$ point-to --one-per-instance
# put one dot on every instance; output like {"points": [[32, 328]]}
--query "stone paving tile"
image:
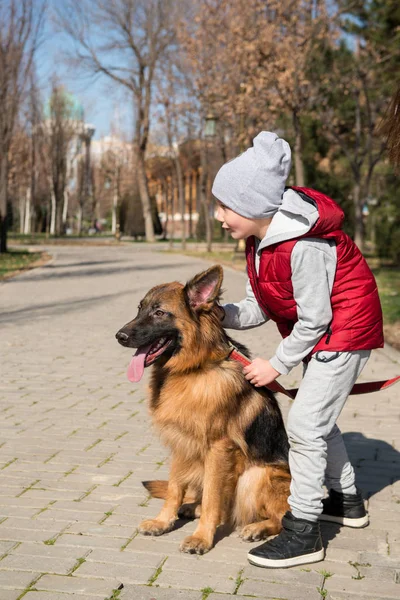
{"points": [[145, 559], [363, 588], [76, 442], [120, 572], [274, 590], [90, 541], [58, 566], [18, 580], [197, 581], [130, 592], [339, 596], [77, 585], [299, 575], [57, 596], [9, 594]]}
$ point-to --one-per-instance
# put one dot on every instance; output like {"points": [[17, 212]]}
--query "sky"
{"points": [[102, 102]]}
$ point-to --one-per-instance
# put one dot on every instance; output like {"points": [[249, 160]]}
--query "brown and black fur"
{"points": [[227, 439]]}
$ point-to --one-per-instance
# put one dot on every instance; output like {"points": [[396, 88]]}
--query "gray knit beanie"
{"points": [[253, 183]]}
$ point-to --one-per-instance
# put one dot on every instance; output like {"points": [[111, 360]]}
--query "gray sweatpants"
{"points": [[317, 450]]}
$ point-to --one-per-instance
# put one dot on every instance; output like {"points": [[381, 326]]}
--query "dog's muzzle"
{"points": [[122, 337]]}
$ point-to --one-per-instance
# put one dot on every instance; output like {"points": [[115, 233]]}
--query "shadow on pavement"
{"points": [[377, 463], [54, 309], [49, 272], [88, 263]]}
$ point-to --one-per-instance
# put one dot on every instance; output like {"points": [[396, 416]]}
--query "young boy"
{"points": [[309, 277]]}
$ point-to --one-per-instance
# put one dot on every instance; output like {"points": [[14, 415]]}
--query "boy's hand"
{"points": [[260, 372]]}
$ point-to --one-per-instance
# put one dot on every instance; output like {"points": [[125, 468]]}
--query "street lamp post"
{"points": [[209, 132], [241, 244]]}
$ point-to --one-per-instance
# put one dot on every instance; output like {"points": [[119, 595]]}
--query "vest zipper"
{"points": [[329, 332]]}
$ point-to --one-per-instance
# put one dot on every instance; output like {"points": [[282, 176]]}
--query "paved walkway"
{"points": [[75, 443]]}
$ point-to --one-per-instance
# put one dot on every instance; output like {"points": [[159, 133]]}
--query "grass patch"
{"points": [[76, 566], [388, 280], [229, 258], [115, 593], [15, 261], [238, 582], [157, 573]]}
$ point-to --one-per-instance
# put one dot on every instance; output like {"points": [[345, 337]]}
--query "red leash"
{"points": [[358, 388]]}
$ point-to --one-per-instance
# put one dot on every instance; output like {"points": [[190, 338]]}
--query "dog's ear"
{"points": [[204, 288]]}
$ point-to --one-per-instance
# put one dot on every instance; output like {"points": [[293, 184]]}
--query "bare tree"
{"points": [[62, 127], [20, 29], [125, 40]]}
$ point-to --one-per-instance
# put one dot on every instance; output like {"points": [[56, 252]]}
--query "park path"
{"points": [[76, 442]]}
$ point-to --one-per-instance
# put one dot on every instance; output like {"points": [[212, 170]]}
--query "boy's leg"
{"points": [[344, 504], [323, 391], [326, 384], [339, 474]]}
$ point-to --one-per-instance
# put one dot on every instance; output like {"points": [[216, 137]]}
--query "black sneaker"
{"points": [[298, 543], [344, 509]]}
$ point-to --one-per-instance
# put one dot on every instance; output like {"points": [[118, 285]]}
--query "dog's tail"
{"points": [[157, 488]]}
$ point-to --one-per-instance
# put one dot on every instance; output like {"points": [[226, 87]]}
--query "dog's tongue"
{"points": [[136, 366]]}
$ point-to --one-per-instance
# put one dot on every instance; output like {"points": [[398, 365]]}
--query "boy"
{"points": [[310, 278]]}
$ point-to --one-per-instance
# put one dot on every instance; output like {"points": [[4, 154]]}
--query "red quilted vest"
{"points": [[356, 309]]}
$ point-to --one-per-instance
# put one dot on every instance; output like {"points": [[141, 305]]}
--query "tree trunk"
{"points": [[181, 196], [21, 213], [79, 220], [164, 188], [65, 209], [144, 195], [3, 202], [27, 220], [114, 209], [59, 213], [359, 233], [298, 152], [53, 213], [191, 177], [172, 230]]}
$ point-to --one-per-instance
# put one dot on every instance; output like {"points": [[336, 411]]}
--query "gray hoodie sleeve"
{"points": [[313, 264], [245, 314]]}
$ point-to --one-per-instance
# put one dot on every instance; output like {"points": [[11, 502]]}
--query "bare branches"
{"points": [[21, 24], [390, 128], [125, 41]]}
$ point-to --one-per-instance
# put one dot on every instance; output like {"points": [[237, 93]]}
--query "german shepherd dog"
{"points": [[227, 438]]}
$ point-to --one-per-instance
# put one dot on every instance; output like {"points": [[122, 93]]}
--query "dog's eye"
{"points": [[159, 313]]}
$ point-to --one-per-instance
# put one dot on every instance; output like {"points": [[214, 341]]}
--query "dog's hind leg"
{"points": [[260, 530], [271, 503]]}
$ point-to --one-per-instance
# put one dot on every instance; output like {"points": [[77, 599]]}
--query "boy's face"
{"points": [[239, 227]]}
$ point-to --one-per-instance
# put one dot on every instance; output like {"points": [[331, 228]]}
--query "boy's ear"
{"points": [[204, 288]]}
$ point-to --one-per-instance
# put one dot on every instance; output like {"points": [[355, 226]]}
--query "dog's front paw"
{"points": [[154, 527], [195, 545]]}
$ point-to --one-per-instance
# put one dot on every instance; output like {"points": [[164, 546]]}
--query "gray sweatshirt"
{"points": [[313, 263]]}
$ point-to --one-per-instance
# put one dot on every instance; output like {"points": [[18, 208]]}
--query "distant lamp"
{"points": [[210, 126], [88, 131]]}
